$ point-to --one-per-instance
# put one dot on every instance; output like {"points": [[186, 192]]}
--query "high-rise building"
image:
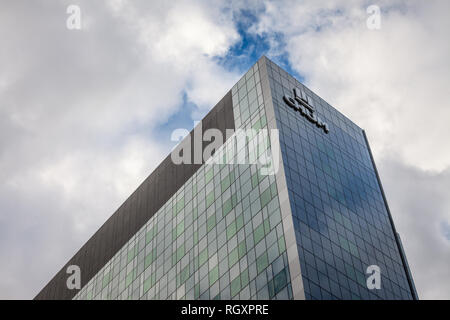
{"points": [[289, 206]]}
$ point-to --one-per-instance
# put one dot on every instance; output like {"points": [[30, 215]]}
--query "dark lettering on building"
{"points": [[301, 104]]}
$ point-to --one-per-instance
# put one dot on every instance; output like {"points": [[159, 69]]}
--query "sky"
{"points": [[86, 114]]}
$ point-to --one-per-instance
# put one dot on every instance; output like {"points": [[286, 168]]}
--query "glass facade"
{"points": [[229, 232], [340, 217], [219, 237]]}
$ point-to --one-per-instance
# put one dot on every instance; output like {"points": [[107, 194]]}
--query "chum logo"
{"points": [[301, 103]]}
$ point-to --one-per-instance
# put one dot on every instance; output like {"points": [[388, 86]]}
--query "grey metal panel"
{"points": [[142, 206], [162, 183]]}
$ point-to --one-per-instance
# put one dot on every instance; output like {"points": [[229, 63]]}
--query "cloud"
{"points": [[420, 205], [79, 112], [397, 76], [394, 83]]}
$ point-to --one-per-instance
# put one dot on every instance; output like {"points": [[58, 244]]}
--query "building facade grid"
{"points": [[219, 237]]}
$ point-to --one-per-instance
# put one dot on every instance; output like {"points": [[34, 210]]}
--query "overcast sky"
{"points": [[86, 115]]}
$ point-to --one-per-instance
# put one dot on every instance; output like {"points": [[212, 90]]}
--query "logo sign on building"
{"points": [[300, 102]]}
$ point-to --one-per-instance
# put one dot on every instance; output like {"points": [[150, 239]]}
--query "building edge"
{"points": [[295, 272], [406, 268]]}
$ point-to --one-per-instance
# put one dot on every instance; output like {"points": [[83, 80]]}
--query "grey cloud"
{"points": [[420, 205], [77, 112]]}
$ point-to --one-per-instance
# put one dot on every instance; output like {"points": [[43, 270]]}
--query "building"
{"points": [[307, 228]]}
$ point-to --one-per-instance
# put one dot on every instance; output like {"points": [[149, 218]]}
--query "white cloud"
{"points": [[78, 111], [392, 82], [186, 35]]}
